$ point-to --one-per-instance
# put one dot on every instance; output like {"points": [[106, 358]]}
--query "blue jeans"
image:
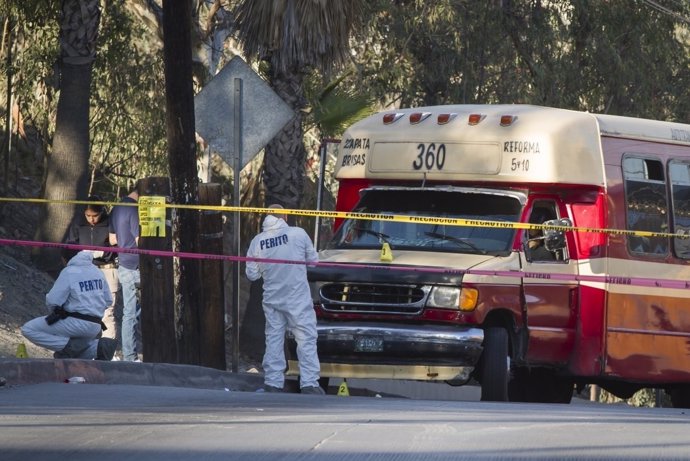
{"points": [[130, 311]]}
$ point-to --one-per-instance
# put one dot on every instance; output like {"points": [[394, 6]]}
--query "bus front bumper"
{"points": [[394, 351]]}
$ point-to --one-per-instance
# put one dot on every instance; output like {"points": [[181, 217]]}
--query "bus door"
{"points": [[550, 303]]}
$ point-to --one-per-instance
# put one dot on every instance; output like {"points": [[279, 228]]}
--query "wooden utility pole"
{"points": [[179, 96], [212, 303], [156, 292]]}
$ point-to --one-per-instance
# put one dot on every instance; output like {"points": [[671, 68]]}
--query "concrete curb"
{"points": [[34, 371]]}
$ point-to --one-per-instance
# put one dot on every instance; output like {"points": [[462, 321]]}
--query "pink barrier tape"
{"points": [[609, 279]]}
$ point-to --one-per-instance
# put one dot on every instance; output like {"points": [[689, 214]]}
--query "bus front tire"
{"points": [[495, 361]]}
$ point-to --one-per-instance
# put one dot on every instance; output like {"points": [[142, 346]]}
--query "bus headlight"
{"points": [[464, 299], [444, 297]]}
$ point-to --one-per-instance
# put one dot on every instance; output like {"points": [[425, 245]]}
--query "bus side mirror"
{"points": [[554, 239]]}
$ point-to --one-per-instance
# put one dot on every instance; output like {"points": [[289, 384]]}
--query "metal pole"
{"points": [[323, 153], [319, 190], [237, 141]]}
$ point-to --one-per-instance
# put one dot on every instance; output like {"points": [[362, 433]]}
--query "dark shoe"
{"points": [[106, 349], [315, 390], [73, 349], [270, 389]]}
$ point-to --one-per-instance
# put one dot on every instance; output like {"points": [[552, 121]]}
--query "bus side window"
{"points": [[679, 176], [646, 204], [534, 246]]}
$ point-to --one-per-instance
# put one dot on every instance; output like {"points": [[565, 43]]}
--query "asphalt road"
{"points": [[55, 421]]}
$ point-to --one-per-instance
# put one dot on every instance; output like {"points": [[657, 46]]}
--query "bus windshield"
{"points": [[430, 236]]}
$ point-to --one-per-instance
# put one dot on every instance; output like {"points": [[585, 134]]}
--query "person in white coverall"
{"points": [[76, 303], [287, 302]]}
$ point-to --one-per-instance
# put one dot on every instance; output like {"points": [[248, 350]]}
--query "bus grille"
{"points": [[373, 298]]}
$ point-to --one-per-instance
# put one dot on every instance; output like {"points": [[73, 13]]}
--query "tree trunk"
{"points": [[182, 156], [67, 165], [285, 155]]}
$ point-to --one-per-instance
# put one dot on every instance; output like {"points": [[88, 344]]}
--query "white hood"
{"points": [[407, 258], [83, 258], [81, 287], [452, 261], [272, 223]]}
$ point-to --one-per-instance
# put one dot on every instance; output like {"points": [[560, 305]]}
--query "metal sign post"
{"points": [[323, 149], [237, 167], [237, 134]]}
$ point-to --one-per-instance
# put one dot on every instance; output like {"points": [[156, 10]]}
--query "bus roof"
{"points": [[492, 143]]}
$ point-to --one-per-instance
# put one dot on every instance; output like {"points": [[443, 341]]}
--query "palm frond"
{"points": [[337, 109], [297, 34]]}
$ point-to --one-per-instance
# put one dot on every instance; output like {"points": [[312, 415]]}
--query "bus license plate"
{"points": [[368, 344]]}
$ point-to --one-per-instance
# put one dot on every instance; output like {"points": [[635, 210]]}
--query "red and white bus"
{"points": [[406, 296]]}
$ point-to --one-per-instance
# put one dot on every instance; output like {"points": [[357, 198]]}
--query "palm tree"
{"points": [[67, 165], [294, 37]]}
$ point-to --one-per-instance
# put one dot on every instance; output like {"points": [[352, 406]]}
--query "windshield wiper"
{"points": [[380, 235], [458, 240]]}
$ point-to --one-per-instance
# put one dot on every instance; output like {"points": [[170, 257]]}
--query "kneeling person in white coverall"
{"points": [[76, 302], [287, 301]]}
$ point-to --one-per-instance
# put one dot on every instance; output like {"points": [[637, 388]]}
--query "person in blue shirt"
{"points": [[124, 232]]}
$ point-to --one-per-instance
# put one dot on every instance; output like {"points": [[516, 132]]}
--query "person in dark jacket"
{"points": [[92, 228]]}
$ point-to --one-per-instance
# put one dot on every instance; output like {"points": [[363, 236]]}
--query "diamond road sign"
{"points": [[264, 113]]}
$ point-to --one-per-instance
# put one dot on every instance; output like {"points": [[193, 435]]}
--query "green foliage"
{"points": [[334, 107], [425, 53], [34, 52], [616, 57], [127, 104], [624, 59], [127, 115], [642, 398]]}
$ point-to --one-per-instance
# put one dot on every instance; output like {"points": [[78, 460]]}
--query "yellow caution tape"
{"points": [[374, 217]]}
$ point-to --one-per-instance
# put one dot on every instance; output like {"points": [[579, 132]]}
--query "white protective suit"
{"points": [[81, 287], [287, 301]]}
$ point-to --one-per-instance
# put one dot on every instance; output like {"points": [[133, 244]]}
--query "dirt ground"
{"points": [[22, 297], [22, 287]]}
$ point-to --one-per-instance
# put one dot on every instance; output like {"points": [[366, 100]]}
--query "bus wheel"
{"points": [[495, 366]]}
